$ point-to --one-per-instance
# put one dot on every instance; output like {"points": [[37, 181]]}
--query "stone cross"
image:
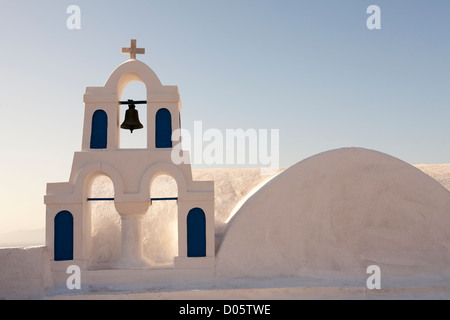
{"points": [[133, 50]]}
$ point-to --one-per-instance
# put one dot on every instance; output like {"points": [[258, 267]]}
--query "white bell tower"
{"points": [[68, 217]]}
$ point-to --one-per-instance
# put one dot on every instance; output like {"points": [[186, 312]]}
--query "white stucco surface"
{"points": [[310, 232], [335, 214], [24, 273]]}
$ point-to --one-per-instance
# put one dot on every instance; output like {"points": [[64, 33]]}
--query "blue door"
{"points": [[163, 134], [63, 236], [99, 130], [196, 233]]}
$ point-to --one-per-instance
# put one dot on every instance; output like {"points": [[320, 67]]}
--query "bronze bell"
{"points": [[131, 121]]}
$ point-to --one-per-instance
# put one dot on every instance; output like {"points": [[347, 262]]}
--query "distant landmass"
{"points": [[23, 238]]}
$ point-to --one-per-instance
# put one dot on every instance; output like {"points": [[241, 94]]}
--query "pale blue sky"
{"points": [[309, 68]]}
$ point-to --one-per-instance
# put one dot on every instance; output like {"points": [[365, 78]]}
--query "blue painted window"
{"points": [[63, 240], [163, 133], [196, 233], [99, 130]]}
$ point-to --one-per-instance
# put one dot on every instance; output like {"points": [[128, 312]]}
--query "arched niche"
{"points": [[196, 233], [63, 236], [163, 129], [99, 130]]}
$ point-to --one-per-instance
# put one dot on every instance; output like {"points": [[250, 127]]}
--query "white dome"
{"points": [[337, 213]]}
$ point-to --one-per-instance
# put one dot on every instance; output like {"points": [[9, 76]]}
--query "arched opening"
{"points": [[99, 130], [105, 223], [63, 236], [160, 225], [196, 233], [163, 129], [136, 91]]}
